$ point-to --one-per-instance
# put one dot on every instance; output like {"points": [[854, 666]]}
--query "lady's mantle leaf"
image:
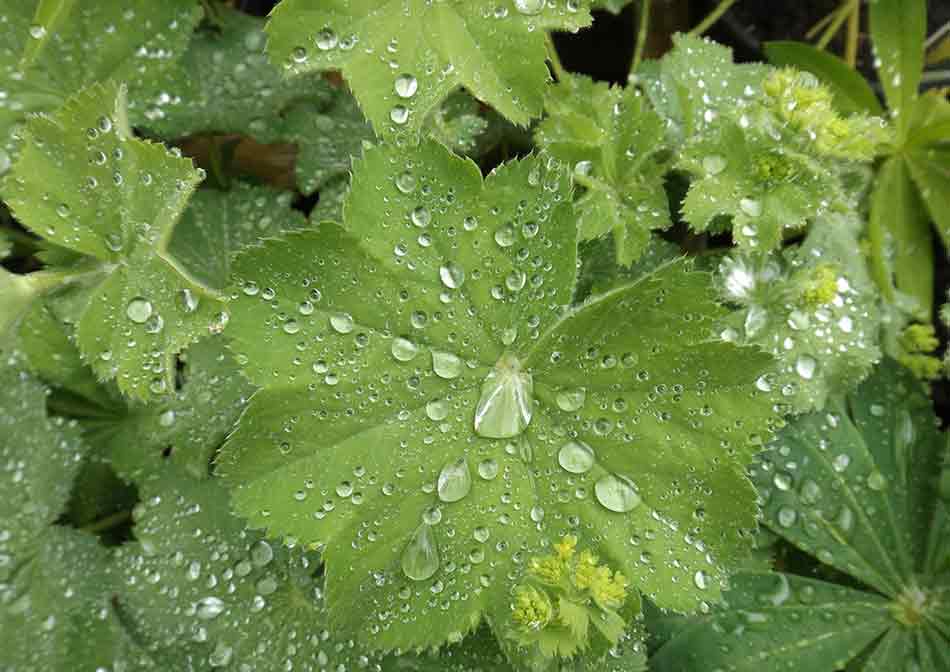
{"points": [[434, 414], [612, 138], [84, 183], [402, 58]]}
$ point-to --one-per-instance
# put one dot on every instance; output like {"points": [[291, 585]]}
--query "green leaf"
{"points": [[772, 621], [375, 343], [861, 496], [457, 124], [696, 82], [908, 247], [431, 49], [898, 28], [69, 45], [930, 170], [83, 182], [223, 83], [614, 140], [205, 592], [815, 309], [851, 91], [218, 224]]}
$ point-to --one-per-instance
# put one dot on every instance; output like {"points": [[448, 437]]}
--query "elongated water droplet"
{"points": [[261, 553], [529, 7], [420, 558], [616, 493], [571, 400], [576, 457], [446, 365], [455, 481], [209, 607], [507, 403]]}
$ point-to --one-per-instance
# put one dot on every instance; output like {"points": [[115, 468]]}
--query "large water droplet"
{"points": [[576, 457], [616, 493], [805, 366], [404, 350], [209, 607], [571, 400], [529, 7], [446, 365], [420, 558], [406, 86], [261, 553], [452, 275], [341, 322], [437, 409], [455, 481], [488, 469], [506, 404], [139, 310]]}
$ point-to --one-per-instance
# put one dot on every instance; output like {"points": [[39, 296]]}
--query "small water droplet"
{"points": [[404, 350], [261, 553], [529, 7], [805, 366], [452, 275], [139, 310], [446, 365], [576, 457], [750, 207], [571, 400], [209, 607], [342, 323], [406, 86], [488, 469]]}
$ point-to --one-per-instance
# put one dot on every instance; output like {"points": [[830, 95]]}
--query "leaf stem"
{"points": [[559, 72], [642, 30], [712, 17], [840, 15], [851, 42], [108, 522]]}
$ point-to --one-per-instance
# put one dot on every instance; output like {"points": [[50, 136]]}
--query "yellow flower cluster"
{"points": [[532, 608], [798, 99], [583, 573], [917, 341], [821, 287]]}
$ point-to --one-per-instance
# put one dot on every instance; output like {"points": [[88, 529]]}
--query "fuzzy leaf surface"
{"points": [[494, 50], [372, 342], [84, 183]]}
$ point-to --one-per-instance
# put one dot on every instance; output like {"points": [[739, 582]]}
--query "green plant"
{"points": [[471, 382]]}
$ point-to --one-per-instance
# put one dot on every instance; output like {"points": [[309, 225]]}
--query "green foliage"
{"points": [[856, 487], [480, 380]]}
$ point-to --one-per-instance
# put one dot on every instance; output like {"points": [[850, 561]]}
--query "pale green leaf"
{"points": [[375, 345], [83, 182], [851, 91], [898, 28], [70, 45], [930, 169], [430, 49], [216, 225], [457, 124], [202, 590], [770, 621], [615, 143]]}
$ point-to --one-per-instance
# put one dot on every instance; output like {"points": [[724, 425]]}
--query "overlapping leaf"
{"points": [[615, 141], [372, 343], [856, 487], [402, 58], [53, 49], [84, 183]]}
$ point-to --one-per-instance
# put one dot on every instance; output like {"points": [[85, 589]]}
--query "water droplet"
{"points": [[452, 275], [399, 114], [750, 207], [261, 553], [786, 516], [571, 400], [326, 40], [139, 310], [782, 480], [699, 579], [154, 324], [488, 469], [714, 164], [805, 366], [576, 457], [537, 514], [841, 462], [506, 403], [406, 182], [404, 350], [37, 32], [529, 7], [342, 322], [189, 302], [446, 365], [616, 493], [877, 481], [406, 86], [221, 655], [420, 558], [437, 409], [505, 235], [455, 481], [209, 607]]}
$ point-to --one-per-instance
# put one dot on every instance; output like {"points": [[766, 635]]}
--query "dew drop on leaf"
{"points": [[805, 366], [616, 493], [571, 400], [406, 86], [488, 469], [404, 350], [420, 558], [506, 403], [576, 457], [455, 481], [261, 553], [750, 207], [437, 409], [209, 607], [452, 275], [342, 323], [529, 7], [139, 310], [446, 365]]}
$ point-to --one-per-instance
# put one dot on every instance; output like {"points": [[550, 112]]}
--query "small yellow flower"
{"points": [[549, 569], [532, 608], [565, 548], [822, 287], [608, 590]]}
